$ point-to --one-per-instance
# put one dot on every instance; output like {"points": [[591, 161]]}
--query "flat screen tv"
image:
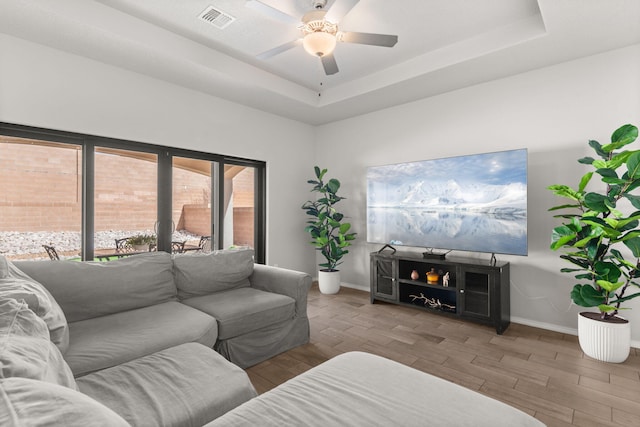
{"points": [[474, 203]]}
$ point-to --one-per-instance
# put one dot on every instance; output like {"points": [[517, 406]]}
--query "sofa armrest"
{"points": [[294, 284]]}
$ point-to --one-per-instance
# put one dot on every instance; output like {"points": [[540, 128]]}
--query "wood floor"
{"points": [[542, 373]]}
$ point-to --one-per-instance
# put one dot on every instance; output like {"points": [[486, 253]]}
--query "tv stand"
{"points": [[430, 254], [470, 289], [387, 246]]}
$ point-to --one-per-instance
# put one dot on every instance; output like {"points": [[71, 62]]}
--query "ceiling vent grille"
{"points": [[216, 17]]}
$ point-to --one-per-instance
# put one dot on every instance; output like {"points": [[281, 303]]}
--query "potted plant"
{"points": [[603, 244], [329, 234], [141, 242]]}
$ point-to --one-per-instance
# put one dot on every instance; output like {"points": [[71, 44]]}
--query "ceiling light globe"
{"points": [[319, 43]]}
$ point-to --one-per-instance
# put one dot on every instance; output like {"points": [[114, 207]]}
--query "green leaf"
{"points": [[634, 245], [586, 296], [333, 186], [607, 172], [608, 286], [586, 160], [344, 228], [596, 202], [619, 159], [565, 191], [633, 165], [635, 200], [625, 134], [598, 149], [556, 208], [604, 308], [632, 186], [600, 164], [584, 181]]}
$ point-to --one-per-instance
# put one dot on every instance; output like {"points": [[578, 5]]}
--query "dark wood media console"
{"points": [[477, 290]]}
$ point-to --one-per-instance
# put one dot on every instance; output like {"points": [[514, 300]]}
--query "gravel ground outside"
{"points": [[28, 245]]}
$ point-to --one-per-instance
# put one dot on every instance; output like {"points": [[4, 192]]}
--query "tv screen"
{"points": [[474, 203]]}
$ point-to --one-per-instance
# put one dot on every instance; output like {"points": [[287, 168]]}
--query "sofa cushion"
{"points": [[4, 267], [186, 385], [25, 348], [86, 290], [110, 340], [243, 310], [18, 285], [27, 402], [201, 274], [361, 389]]}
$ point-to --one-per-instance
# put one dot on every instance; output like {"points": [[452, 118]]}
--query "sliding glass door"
{"points": [[81, 194]]}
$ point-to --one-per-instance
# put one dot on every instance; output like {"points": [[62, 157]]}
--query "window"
{"points": [[192, 202], [79, 193], [125, 195], [40, 198]]}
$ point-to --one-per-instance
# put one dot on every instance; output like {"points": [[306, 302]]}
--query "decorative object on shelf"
{"points": [[432, 302], [415, 275], [445, 279], [329, 234], [432, 277], [592, 232]]}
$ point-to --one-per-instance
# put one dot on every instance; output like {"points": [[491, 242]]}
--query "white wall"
{"points": [[51, 89], [552, 112]]}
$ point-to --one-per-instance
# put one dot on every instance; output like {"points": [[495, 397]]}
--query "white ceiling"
{"points": [[443, 45]]}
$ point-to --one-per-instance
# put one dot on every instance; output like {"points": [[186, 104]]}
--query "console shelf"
{"points": [[476, 290]]}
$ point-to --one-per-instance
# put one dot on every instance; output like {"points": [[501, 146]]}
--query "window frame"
{"points": [[165, 154]]}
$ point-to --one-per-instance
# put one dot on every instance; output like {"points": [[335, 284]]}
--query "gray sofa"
{"points": [[361, 389], [135, 337]]}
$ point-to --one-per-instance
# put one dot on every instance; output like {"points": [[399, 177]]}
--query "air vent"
{"points": [[216, 17]]}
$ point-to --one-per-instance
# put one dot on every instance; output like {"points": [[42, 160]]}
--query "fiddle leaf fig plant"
{"points": [[595, 231], [329, 234]]}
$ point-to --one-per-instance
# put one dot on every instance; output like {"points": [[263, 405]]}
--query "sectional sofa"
{"points": [[134, 341], [131, 343]]}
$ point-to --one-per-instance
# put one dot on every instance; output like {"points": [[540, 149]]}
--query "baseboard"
{"points": [[350, 285], [354, 286], [556, 328]]}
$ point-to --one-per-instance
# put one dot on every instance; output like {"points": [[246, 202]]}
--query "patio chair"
{"points": [[203, 245], [122, 245], [51, 251], [177, 247]]}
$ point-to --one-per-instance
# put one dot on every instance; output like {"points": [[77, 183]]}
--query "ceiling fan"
{"points": [[320, 32]]}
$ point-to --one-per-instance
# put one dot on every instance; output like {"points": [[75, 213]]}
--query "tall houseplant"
{"points": [[594, 234], [329, 234]]}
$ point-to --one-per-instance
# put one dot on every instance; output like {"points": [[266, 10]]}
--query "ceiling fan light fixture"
{"points": [[319, 43]]}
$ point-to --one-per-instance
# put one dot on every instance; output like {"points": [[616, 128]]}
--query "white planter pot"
{"points": [[604, 341], [329, 281]]}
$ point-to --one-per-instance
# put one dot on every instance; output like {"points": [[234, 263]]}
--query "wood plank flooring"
{"points": [[543, 373]]}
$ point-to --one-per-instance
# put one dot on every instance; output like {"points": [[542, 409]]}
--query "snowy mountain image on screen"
{"points": [[472, 197], [472, 203]]}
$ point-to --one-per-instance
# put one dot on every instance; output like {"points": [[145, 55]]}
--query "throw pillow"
{"points": [[27, 402], [19, 286], [87, 290], [203, 274], [25, 348]]}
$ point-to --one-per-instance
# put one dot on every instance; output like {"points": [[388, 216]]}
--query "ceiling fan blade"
{"points": [[340, 9], [329, 64], [272, 12], [385, 40], [279, 49]]}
